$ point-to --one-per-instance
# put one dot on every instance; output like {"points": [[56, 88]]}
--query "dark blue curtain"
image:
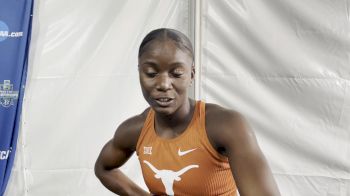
{"points": [[15, 28]]}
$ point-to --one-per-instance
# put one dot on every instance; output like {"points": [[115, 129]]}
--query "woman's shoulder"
{"points": [[217, 114], [135, 122], [222, 124], [129, 130]]}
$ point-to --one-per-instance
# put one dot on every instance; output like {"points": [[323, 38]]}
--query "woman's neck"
{"points": [[179, 118]]}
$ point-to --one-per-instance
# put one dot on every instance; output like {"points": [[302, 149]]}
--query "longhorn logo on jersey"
{"points": [[168, 176]]}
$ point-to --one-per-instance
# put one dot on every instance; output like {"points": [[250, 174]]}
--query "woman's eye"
{"points": [[151, 74], [177, 74]]}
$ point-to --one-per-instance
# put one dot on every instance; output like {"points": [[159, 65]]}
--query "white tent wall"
{"points": [[285, 65], [82, 83]]}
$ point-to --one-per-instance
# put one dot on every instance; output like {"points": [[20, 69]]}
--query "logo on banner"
{"points": [[4, 154], [5, 32], [7, 94]]}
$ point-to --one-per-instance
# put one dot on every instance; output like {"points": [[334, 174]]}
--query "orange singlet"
{"points": [[185, 165]]}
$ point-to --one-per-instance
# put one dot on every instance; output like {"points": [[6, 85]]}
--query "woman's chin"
{"points": [[163, 110]]}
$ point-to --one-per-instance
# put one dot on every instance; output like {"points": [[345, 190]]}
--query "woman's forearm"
{"points": [[119, 183]]}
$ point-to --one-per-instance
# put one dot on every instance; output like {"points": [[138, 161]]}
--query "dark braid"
{"points": [[163, 34]]}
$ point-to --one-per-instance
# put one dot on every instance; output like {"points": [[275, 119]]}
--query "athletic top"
{"points": [[186, 164]]}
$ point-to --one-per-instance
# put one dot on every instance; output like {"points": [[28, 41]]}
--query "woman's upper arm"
{"points": [[113, 154], [120, 148], [248, 164]]}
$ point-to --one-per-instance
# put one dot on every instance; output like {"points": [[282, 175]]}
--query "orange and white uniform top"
{"points": [[185, 165]]}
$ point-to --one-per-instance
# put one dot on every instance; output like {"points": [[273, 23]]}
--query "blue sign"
{"points": [[15, 28]]}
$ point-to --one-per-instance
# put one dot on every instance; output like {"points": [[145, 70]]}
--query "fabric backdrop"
{"points": [[286, 66], [283, 64], [82, 83]]}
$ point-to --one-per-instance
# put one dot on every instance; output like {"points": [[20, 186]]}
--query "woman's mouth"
{"points": [[164, 101]]}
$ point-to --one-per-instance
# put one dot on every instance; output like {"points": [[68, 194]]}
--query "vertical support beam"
{"points": [[197, 49], [191, 34]]}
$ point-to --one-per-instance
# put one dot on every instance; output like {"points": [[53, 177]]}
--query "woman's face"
{"points": [[165, 72]]}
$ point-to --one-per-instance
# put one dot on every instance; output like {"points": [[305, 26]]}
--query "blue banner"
{"points": [[15, 28]]}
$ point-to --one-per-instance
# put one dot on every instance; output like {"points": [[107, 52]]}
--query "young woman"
{"points": [[185, 147]]}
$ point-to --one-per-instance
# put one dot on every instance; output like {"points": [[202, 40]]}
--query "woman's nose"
{"points": [[163, 82]]}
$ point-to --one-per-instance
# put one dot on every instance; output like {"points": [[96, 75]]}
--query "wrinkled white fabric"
{"points": [[82, 83], [285, 65]]}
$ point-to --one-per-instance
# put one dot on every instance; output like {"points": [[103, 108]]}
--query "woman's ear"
{"points": [[193, 71], [192, 75]]}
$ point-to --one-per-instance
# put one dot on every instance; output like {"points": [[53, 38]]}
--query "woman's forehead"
{"points": [[168, 48], [158, 44]]}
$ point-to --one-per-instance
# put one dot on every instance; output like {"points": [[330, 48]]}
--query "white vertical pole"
{"points": [[197, 48], [22, 133]]}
